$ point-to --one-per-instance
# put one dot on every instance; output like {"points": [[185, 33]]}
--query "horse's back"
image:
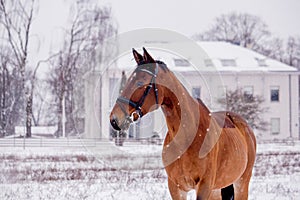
{"points": [[234, 120]]}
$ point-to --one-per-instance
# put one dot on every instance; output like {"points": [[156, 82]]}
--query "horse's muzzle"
{"points": [[114, 124]]}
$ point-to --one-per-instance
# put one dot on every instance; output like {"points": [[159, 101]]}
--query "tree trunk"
{"points": [[59, 119], [28, 115], [69, 106], [2, 103]]}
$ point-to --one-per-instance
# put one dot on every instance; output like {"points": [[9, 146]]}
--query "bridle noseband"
{"points": [[138, 105]]}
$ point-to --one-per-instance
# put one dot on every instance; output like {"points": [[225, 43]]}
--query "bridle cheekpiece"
{"points": [[137, 105]]}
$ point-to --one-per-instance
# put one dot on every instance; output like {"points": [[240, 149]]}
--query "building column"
{"points": [[105, 107], [92, 105]]}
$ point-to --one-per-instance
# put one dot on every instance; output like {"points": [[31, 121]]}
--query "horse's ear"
{"points": [[138, 57], [147, 57]]}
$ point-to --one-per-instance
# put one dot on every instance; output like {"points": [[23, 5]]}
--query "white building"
{"points": [[224, 67]]}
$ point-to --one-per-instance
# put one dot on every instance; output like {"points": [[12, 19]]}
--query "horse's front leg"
{"points": [[203, 191], [175, 191]]}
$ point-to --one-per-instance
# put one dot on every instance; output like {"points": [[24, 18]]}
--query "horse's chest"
{"points": [[185, 176]]}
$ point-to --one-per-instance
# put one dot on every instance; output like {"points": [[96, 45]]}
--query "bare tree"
{"points": [[5, 93], [293, 52], [11, 97], [4, 78], [43, 104], [89, 27], [242, 29], [273, 48], [16, 18]]}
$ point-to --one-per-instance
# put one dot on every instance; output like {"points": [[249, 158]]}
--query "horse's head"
{"points": [[140, 94]]}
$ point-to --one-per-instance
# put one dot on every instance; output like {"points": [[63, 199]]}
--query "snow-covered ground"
{"points": [[130, 172]]}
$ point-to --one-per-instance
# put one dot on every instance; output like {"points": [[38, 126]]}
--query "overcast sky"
{"points": [[186, 17], [191, 16]]}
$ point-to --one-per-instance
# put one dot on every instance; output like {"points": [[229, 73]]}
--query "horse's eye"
{"points": [[140, 83]]}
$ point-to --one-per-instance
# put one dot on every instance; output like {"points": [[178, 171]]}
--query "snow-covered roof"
{"points": [[229, 57], [220, 56]]}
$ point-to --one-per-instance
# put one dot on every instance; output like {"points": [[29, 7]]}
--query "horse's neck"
{"points": [[181, 110]]}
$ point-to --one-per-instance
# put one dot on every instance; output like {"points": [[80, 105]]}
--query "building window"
{"points": [[228, 62], [196, 92], [275, 126], [248, 93], [274, 93], [208, 63], [222, 90], [179, 62], [261, 62]]}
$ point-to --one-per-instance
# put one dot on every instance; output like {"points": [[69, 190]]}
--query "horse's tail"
{"points": [[227, 193]]}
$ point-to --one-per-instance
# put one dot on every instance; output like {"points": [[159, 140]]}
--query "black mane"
{"points": [[151, 66]]}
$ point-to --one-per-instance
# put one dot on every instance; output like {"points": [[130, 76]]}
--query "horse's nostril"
{"points": [[114, 124]]}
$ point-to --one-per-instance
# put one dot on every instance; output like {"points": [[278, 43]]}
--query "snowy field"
{"points": [[131, 172]]}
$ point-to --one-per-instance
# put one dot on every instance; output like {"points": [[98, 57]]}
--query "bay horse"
{"points": [[212, 153]]}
